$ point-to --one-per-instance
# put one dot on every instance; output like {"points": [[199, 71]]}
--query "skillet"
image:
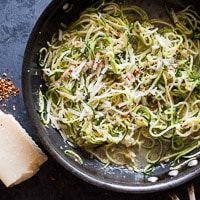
{"points": [[92, 171]]}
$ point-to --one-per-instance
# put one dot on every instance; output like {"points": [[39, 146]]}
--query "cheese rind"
{"points": [[20, 157]]}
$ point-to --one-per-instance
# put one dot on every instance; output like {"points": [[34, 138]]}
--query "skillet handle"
{"points": [[190, 192]]}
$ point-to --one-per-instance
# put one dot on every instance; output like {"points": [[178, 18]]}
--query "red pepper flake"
{"points": [[52, 178], [7, 88]]}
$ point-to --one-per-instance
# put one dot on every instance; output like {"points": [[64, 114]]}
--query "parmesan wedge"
{"points": [[20, 157]]}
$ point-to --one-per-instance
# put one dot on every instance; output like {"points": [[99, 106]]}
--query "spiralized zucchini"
{"points": [[125, 87]]}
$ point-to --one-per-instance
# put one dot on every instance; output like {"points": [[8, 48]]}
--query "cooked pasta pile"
{"points": [[125, 87]]}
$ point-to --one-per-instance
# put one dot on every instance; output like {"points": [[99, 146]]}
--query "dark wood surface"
{"points": [[52, 182]]}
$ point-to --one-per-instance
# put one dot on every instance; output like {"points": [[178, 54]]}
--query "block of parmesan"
{"points": [[20, 157]]}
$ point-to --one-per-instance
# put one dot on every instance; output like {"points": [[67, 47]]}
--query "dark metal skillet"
{"points": [[92, 171]]}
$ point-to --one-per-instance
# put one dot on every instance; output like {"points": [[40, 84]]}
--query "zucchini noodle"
{"points": [[125, 87]]}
